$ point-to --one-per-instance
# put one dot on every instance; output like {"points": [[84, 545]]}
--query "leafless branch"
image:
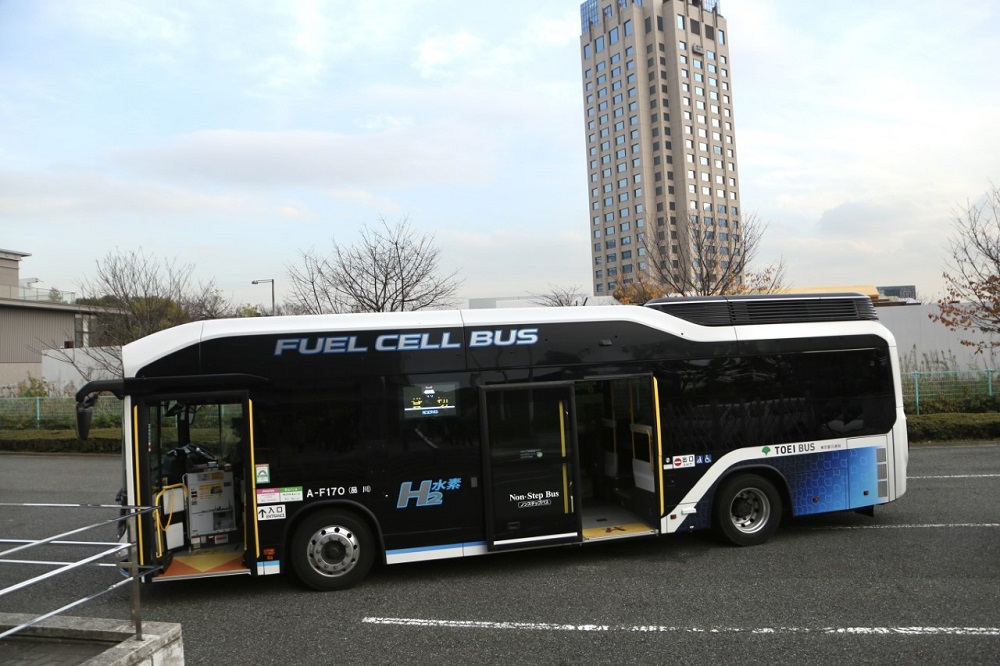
{"points": [[972, 299], [704, 256], [392, 268], [559, 296]]}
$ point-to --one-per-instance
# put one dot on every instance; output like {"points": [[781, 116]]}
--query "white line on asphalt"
{"points": [[548, 626], [957, 476], [899, 527]]}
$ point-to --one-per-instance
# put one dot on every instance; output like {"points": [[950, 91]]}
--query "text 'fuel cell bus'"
{"points": [[324, 444]]}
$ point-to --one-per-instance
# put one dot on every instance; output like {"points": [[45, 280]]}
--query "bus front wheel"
{"points": [[747, 509], [332, 550]]}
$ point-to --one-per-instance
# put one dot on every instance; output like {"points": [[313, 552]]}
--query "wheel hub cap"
{"points": [[333, 551], [750, 510]]}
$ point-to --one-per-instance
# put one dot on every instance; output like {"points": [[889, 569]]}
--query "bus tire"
{"points": [[332, 550], [747, 509]]}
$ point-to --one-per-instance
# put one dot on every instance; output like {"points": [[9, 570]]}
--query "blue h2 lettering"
{"points": [[424, 495]]}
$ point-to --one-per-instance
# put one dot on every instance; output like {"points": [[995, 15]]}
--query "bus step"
{"points": [[617, 531]]}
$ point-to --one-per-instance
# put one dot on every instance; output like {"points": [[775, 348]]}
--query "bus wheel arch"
{"points": [[748, 506], [333, 547]]}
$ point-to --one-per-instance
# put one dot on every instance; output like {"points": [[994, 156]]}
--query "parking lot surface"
{"points": [[918, 583]]}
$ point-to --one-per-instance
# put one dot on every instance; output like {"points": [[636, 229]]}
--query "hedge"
{"points": [[101, 440], [952, 427]]}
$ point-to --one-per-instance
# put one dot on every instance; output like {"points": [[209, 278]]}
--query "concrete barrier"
{"points": [[88, 641]]}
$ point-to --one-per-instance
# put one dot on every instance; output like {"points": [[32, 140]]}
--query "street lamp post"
{"points": [[272, 291]]}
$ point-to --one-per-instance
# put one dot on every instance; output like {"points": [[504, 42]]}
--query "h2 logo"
{"points": [[424, 495], [430, 492]]}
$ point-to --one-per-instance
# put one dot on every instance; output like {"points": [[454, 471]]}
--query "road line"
{"points": [[900, 527], [549, 626], [956, 476]]}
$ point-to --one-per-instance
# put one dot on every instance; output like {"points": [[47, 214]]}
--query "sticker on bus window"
{"points": [[262, 473]]}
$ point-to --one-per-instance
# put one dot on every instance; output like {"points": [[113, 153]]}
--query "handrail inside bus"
{"points": [[161, 529]]}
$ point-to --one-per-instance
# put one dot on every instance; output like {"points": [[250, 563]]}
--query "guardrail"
{"points": [[108, 550]]}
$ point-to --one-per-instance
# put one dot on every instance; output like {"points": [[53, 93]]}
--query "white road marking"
{"points": [[549, 626], [957, 476], [900, 527]]}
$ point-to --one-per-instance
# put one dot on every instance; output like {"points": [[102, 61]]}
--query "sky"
{"points": [[236, 136]]}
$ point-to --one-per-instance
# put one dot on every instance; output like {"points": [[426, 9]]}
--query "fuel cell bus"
{"points": [[324, 444]]}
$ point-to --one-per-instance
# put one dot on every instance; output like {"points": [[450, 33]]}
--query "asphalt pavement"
{"points": [[918, 583]]}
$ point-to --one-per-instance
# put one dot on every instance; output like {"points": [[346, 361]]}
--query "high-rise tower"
{"points": [[661, 148]]}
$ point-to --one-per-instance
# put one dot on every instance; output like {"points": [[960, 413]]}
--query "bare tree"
{"points": [[391, 269], [707, 258], [135, 295], [559, 296], [315, 286], [972, 298]]}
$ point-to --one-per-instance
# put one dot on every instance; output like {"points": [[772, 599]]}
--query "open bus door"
{"points": [[620, 454], [532, 472], [191, 453]]}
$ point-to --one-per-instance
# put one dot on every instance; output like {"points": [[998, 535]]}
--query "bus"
{"points": [[324, 444]]}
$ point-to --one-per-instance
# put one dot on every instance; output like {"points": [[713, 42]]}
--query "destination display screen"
{"points": [[430, 400]]}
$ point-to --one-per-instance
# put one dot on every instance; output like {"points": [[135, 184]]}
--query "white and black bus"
{"points": [[324, 444]]}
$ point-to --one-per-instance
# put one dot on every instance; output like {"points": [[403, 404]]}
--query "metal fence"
{"points": [[112, 554], [923, 392], [54, 413], [949, 391]]}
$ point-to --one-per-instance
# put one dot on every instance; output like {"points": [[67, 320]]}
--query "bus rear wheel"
{"points": [[332, 550], [747, 509]]}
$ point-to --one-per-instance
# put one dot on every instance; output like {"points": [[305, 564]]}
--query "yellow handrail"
{"points": [[160, 527], [562, 442]]}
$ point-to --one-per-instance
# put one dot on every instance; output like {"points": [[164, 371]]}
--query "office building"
{"points": [[661, 150], [33, 322]]}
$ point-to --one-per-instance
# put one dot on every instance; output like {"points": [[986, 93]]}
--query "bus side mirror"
{"points": [[84, 416]]}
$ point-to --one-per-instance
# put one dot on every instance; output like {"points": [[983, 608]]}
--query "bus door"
{"points": [[624, 453], [530, 454], [190, 460]]}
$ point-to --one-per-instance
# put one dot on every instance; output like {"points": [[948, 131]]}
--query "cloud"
{"points": [[82, 196], [380, 122], [859, 127], [500, 60], [516, 261], [853, 219], [861, 242], [324, 160], [152, 26], [438, 55], [299, 54]]}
